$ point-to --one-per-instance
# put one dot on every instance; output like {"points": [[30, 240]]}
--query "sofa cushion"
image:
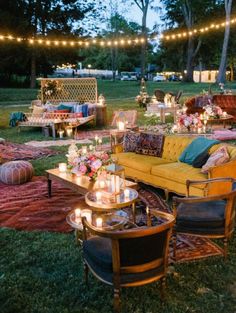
{"points": [[150, 144], [196, 147], [178, 172], [174, 146], [130, 141], [219, 157], [142, 163], [201, 159]]}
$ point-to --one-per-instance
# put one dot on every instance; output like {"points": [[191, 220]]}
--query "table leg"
{"points": [[134, 211], [49, 188], [53, 131]]}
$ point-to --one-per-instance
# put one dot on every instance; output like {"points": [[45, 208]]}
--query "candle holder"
{"points": [[116, 174], [61, 133]]}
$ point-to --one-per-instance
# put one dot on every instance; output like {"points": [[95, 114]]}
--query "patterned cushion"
{"points": [[150, 144], [220, 156], [130, 142], [16, 172]]}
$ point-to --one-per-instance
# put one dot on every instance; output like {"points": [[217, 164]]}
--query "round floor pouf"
{"points": [[16, 172]]}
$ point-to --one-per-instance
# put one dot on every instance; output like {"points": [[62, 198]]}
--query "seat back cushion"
{"points": [[195, 148], [220, 156], [174, 146], [150, 144]]}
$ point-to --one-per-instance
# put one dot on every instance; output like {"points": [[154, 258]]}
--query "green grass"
{"points": [[41, 272]]}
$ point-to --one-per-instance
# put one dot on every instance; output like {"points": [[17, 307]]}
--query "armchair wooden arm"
{"points": [[228, 180]]}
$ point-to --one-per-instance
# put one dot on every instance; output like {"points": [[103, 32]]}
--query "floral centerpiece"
{"points": [[91, 163], [213, 111], [189, 121]]}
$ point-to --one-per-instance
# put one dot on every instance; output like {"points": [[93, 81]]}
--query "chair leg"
{"points": [[174, 241], [163, 288], [117, 300], [86, 273], [225, 248]]}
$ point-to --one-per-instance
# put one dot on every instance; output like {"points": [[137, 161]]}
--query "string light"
{"points": [[202, 30], [119, 41]]}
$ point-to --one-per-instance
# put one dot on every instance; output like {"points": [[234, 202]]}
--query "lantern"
{"points": [[101, 100], [116, 179]]}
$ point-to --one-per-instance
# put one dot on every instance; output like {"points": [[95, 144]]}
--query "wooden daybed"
{"points": [[69, 90]]}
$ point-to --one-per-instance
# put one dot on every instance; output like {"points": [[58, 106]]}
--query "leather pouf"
{"points": [[16, 172]]}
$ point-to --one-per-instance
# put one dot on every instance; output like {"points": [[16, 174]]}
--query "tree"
{"points": [[223, 61], [186, 14]]}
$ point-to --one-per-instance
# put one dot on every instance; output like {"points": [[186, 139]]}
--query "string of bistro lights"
{"points": [[82, 42]]}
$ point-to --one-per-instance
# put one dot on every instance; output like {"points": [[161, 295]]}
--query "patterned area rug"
{"points": [[27, 207], [14, 151], [90, 134]]}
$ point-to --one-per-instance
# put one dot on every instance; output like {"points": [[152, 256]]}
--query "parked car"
{"points": [[174, 78], [159, 78], [128, 76]]}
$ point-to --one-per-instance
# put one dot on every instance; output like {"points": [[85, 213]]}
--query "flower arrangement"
{"points": [[213, 111], [90, 163], [189, 121], [143, 99], [50, 89]]}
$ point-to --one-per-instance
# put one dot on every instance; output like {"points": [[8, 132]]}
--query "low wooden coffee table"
{"points": [[79, 184]]}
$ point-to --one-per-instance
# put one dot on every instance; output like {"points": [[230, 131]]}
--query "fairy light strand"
{"points": [[122, 42]]}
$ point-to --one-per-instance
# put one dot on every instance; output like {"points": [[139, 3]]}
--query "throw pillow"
{"points": [[61, 111], [38, 110], [201, 159], [76, 115], [130, 142], [196, 147], [64, 107], [220, 156], [150, 144], [78, 108], [85, 110]]}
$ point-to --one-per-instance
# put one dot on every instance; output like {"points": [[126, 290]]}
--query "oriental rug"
{"points": [[27, 207], [14, 151]]}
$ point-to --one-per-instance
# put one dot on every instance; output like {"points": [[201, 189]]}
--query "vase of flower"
{"points": [[91, 164]]}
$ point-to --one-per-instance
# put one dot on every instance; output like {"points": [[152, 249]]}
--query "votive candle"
{"points": [[62, 167], [126, 193], [87, 214], [78, 215], [98, 196], [61, 132], [69, 132], [99, 222], [84, 149]]}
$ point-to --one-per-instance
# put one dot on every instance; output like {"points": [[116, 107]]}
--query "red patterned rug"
{"points": [[15, 151], [90, 134], [27, 207]]}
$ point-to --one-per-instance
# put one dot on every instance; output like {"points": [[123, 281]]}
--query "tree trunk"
{"points": [[33, 70], [222, 68], [189, 66], [231, 71]]}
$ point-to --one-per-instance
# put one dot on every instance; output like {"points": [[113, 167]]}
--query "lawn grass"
{"points": [[41, 272]]}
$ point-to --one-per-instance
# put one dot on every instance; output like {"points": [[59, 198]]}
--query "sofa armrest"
{"points": [[224, 170]]}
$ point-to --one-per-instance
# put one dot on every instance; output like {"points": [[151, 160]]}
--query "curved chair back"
{"points": [[140, 250], [160, 95]]}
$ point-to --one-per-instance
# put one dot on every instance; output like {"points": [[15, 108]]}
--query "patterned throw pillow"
{"points": [[150, 144], [130, 142], [220, 156]]}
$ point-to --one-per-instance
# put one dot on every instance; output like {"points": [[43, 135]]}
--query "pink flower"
{"points": [[82, 169], [95, 165]]}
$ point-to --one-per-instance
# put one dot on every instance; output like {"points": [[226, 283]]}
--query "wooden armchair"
{"points": [[211, 216], [127, 258]]}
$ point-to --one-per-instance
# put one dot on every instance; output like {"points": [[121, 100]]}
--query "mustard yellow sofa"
{"points": [[168, 173]]}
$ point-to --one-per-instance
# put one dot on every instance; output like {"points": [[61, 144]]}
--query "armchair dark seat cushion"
{"points": [[208, 217], [98, 253]]}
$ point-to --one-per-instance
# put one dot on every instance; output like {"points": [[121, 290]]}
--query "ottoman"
{"points": [[16, 172]]}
